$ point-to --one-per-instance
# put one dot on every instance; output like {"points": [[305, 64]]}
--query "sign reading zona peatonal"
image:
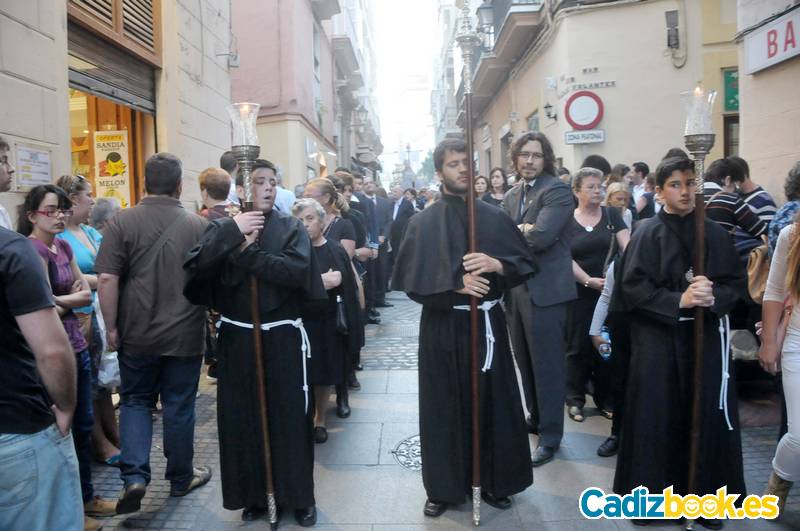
{"points": [[585, 137], [584, 110]]}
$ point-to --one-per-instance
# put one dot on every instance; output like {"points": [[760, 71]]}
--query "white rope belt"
{"points": [[485, 308], [305, 344], [725, 349]]}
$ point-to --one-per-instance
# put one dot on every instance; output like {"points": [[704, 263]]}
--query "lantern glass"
{"points": [[243, 119], [699, 106], [485, 15], [361, 115]]}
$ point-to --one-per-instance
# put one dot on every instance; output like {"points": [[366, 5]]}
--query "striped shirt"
{"points": [[730, 212], [762, 205]]}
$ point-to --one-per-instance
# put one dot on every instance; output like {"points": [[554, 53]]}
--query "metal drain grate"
{"points": [[408, 453]]}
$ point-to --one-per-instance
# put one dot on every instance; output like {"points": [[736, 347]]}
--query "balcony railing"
{"points": [[502, 7]]}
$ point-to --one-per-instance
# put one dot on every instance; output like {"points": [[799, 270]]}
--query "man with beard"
{"points": [[276, 249], [434, 269], [542, 206]]}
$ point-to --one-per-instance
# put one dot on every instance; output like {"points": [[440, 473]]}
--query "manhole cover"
{"points": [[408, 453]]}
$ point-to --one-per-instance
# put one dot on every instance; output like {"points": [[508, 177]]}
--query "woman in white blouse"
{"points": [[780, 350]]}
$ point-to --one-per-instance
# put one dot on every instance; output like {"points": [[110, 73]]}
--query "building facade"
{"points": [[602, 77], [444, 109], [95, 88], [308, 63]]}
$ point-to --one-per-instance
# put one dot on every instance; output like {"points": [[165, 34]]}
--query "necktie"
{"points": [[526, 188]]}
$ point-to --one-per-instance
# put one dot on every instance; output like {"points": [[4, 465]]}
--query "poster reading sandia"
{"points": [[111, 166]]}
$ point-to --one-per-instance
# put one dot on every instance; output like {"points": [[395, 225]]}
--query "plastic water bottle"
{"points": [[605, 348]]}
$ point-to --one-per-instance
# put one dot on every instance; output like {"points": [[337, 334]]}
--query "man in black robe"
{"points": [[434, 269], [275, 247], [660, 292]]}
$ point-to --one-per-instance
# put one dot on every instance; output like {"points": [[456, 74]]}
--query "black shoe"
{"points": [[373, 313], [609, 447], [352, 381], [342, 407], [320, 435], [359, 367], [373, 320], [200, 476], [542, 455], [130, 499], [710, 523], [434, 508], [532, 428], [306, 517], [250, 514], [498, 503], [384, 304]]}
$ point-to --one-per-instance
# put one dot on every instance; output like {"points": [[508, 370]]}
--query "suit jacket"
{"points": [[368, 208], [400, 222], [549, 207], [383, 213]]}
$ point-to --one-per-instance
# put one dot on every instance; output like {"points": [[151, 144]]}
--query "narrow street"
{"points": [[361, 484]]}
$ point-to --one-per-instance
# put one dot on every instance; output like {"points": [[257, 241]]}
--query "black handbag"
{"points": [[341, 317]]}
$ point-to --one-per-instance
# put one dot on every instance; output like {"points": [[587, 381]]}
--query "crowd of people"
{"points": [[585, 285]]}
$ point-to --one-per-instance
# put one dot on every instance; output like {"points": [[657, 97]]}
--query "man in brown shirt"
{"points": [[158, 333]]}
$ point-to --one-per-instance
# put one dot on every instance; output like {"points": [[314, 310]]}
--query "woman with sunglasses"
{"points": [[45, 213], [85, 243]]}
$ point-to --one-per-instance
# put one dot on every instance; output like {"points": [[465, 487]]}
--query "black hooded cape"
{"points": [[288, 277]]}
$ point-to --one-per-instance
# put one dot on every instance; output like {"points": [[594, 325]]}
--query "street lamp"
{"points": [[485, 14], [548, 111], [699, 139], [245, 142]]}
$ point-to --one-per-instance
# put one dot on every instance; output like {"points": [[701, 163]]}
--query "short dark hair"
{"points": [[641, 167], [597, 162], [357, 175], [162, 174], [454, 145], [216, 182], [32, 201], [342, 168], [4, 144], [739, 161], [411, 190], [669, 165], [563, 171], [264, 163], [791, 187], [676, 152], [721, 168], [547, 151], [228, 162]]}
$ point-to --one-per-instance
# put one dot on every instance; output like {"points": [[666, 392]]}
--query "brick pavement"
{"points": [[361, 487]]}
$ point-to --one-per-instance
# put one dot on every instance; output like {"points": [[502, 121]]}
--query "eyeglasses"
{"points": [[591, 187], [527, 155], [54, 212]]}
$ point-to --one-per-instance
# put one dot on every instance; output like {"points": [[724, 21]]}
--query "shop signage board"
{"points": [[33, 166], [592, 136], [731, 81], [773, 43], [111, 166]]}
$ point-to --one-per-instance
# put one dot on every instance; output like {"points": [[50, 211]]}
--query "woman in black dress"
{"points": [[498, 186], [328, 364], [599, 233]]}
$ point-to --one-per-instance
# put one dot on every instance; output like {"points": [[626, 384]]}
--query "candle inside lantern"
{"points": [[243, 119], [699, 105]]}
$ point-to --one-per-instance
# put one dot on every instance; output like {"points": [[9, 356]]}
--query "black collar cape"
{"points": [[430, 257]]}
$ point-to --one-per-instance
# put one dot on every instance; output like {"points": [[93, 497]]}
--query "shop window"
{"points": [[731, 135], [109, 143]]}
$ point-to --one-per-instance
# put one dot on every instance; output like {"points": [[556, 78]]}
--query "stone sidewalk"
{"points": [[361, 485]]}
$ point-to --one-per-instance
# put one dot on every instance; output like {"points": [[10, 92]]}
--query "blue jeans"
{"points": [[39, 485], [144, 378], [83, 422]]}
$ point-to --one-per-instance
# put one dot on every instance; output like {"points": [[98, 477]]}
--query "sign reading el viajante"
{"points": [[112, 177]]}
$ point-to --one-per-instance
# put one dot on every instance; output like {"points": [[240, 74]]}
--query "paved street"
{"points": [[360, 485]]}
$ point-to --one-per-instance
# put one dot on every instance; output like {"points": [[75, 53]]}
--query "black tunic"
{"points": [[288, 276], [429, 268], [654, 449], [329, 363]]}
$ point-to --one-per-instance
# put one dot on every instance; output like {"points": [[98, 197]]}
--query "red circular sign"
{"points": [[584, 110]]}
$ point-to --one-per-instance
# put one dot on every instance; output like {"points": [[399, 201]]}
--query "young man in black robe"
{"points": [[660, 292], [275, 247], [434, 269]]}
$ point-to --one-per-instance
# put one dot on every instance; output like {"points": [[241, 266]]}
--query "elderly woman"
{"points": [[598, 235], [104, 209], [328, 332], [618, 196], [85, 242]]}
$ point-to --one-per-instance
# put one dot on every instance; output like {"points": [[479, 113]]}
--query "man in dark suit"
{"points": [[370, 285], [383, 215], [542, 206], [402, 210]]}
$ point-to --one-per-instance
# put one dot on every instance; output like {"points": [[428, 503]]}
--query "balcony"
{"points": [[325, 9], [344, 42]]}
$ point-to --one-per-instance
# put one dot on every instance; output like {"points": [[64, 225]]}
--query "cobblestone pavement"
{"points": [[361, 487]]}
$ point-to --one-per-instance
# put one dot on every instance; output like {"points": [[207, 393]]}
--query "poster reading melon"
{"points": [[111, 166]]}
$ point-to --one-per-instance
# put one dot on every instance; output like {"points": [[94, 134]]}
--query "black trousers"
{"points": [[537, 336], [583, 361]]}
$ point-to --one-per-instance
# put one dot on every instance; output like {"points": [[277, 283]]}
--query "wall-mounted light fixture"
{"points": [[548, 111], [673, 40]]}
